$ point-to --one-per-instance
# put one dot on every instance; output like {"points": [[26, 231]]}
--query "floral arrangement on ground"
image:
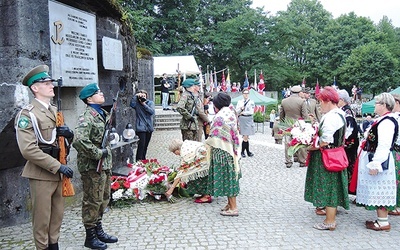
{"points": [[147, 179]]}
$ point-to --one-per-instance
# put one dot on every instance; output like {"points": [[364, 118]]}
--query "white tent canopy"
{"points": [[169, 64]]}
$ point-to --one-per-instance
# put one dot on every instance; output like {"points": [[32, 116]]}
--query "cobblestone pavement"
{"points": [[272, 214]]}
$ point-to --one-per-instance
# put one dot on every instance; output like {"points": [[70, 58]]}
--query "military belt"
{"points": [[52, 151]]}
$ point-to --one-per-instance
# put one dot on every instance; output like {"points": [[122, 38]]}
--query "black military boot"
{"points": [[92, 241], [101, 235], [53, 246]]}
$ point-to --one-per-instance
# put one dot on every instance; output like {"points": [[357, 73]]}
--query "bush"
{"points": [[258, 117]]}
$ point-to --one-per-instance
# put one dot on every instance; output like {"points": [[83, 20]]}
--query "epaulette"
{"points": [[93, 113], [28, 107]]}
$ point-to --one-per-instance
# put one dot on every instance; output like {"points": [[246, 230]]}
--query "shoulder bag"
{"points": [[335, 159]]}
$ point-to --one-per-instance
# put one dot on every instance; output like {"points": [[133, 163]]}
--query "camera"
{"points": [[141, 98]]}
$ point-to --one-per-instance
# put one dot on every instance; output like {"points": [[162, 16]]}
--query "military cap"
{"points": [[190, 82], [88, 91], [37, 74], [295, 89], [306, 90]]}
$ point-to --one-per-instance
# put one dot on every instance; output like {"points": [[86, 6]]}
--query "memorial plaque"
{"points": [[73, 45], [112, 53]]}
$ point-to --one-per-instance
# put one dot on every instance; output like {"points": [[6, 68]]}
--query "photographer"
{"points": [[144, 122]]}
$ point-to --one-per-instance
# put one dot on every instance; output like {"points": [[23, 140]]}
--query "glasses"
{"points": [[381, 103], [245, 93]]}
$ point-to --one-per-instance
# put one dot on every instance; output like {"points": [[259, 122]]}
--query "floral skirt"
{"points": [[222, 178], [198, 186], [396, 156], [324, 188]]}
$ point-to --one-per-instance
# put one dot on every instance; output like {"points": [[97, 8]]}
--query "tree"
{"points": [[370, 66]]}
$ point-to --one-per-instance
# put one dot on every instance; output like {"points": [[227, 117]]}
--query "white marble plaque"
{"points": [[112, 53], [73, 45]]}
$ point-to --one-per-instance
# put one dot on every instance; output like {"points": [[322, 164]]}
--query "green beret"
{"points": [[88, 91], [190, 82], [37, 74]]}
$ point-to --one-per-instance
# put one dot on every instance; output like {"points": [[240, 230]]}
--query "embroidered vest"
{"points": [[372, 138]]}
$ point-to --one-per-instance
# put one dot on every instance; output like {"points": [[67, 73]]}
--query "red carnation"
{"points": [[115, 185]]}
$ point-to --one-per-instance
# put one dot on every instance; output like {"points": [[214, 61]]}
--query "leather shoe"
{"points": [[199, 200], [250, 154], [374, 225], [289, 165], [243, 155]]}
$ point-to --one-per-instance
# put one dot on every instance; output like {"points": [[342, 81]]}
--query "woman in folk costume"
{"points": [[396, 154], [351, 142], [376, 179], [324, 188], [245, 110], [193, 169], [224, 171]]}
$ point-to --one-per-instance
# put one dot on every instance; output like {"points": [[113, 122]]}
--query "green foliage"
{"points": [[303, 41], [258, 117]]}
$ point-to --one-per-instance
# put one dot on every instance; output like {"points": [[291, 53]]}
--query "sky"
{"points": [[374, 9]]}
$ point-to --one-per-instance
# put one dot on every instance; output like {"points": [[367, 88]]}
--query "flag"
{"points": [[211, 81], [201, 80], [261, 84], [255, 78], [246, 81], [223, 83], [303, 83], [228, 82], [215, 80], [317, 88]]}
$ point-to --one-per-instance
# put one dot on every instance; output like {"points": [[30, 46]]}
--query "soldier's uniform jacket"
{"points": [[39, 165], [185, 106], [293, 107], [88, 137]]}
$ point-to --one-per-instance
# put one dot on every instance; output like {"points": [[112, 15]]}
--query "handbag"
{"points": [[334, 159], [67, 187]]}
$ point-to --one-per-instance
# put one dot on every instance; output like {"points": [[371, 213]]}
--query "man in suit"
{"points": [[294, 107], [36, 131], [312, 108]]}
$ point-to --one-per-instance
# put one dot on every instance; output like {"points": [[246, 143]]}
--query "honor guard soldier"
{"points": [[36, 133], [96, 184]]}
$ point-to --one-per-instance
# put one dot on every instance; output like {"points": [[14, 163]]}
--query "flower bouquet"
{"points": [[302, 134], [121, 193], [147, 177]]}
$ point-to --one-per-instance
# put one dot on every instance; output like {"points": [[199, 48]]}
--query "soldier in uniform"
{"points": [[294, 107], [36, 132], [96, 186], [190, 106]]}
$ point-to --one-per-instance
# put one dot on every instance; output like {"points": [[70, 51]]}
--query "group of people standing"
{"points": [[372, 174]]}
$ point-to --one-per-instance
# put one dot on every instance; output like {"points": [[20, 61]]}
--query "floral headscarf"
{"points": [[224, 134]]}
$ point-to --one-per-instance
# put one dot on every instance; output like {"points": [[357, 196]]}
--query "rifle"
{"points": [[192, 112], [107, 130], [63, 142]]}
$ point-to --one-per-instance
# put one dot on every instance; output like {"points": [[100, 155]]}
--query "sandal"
{"points": [[230, 212], [374, 225], [395, 212], [225, 208], [320, 211], [325, 226]]}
